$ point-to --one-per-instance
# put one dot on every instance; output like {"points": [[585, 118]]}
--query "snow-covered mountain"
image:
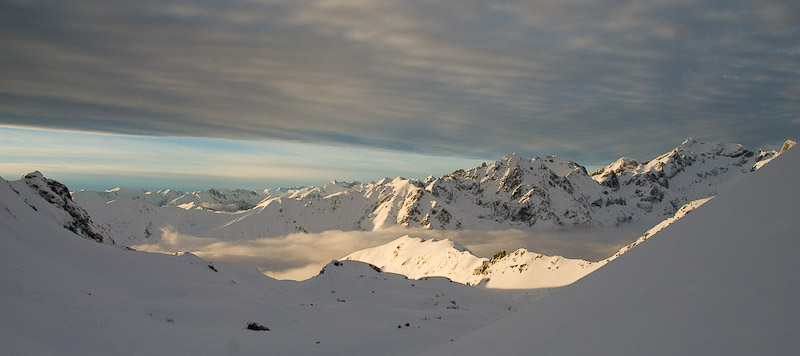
{"points": [[65, 294], [511, 193], [721, 281], [225, 200]]}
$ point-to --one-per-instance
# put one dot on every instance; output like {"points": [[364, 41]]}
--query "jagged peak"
{"points": [[689, 141], [383, 180], [399, 179], [513, 159], [560, 165], [620, 166], [34, 175], [34, 179], [787, 145], [58, 196], [341, 183], [691, 148]]}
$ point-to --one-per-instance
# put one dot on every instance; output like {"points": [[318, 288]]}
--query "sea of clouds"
{"points": [[300, 256]]}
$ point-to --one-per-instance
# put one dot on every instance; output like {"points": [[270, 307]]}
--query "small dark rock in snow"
{"points": [[257, 327]]}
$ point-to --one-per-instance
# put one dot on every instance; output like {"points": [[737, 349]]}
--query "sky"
{"points": [[255, 94]]}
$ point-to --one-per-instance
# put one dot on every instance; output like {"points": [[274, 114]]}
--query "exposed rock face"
{"points": [[75, 218], [518, 191]]}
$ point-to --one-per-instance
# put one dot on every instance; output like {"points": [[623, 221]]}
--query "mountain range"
{"points": [[511, 193]]}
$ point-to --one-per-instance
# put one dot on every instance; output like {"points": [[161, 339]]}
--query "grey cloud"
{"points": [[590, 79]]}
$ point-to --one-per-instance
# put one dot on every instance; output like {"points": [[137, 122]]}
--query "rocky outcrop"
{"points": [[75, 218]]}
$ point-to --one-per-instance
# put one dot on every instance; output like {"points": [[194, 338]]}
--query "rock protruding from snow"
{"points": [[766, 156], [620, 166], [54, 201]]}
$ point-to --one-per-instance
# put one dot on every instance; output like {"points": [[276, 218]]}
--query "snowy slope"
{"points": [[62, 294], [721, 281], [511, 193], [521, 269], [417, 258]]}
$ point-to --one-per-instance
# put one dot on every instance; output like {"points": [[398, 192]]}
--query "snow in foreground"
{"points": [[62, 294], [721, 281]]}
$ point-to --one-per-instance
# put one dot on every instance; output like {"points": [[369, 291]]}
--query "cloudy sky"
{"points": [[259, 93]]}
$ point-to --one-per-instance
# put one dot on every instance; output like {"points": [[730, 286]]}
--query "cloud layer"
{"points": [[592, 80], [301, 255]]}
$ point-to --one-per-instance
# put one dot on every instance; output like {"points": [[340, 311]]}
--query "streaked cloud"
{"points": [[591, 80]]}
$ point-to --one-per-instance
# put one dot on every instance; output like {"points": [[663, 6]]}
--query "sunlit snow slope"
{"points": [[721, 281]]}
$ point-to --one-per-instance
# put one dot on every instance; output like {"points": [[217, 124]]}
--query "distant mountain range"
{"points": [[511, 193]]}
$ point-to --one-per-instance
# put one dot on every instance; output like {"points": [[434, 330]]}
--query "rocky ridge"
{"points": [[51, 198]]}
